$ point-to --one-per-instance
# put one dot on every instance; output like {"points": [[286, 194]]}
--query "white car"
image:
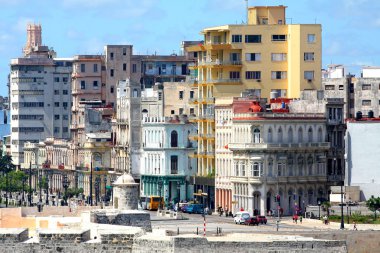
{"points": [[240, 217]]}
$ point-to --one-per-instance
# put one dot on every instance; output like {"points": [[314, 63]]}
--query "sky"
{"points": [[350, 28]]}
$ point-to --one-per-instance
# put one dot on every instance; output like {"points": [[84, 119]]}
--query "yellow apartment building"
{"points": [[266, 57]]}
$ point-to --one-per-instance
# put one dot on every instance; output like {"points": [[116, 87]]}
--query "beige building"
{"points": [[179, 98]]}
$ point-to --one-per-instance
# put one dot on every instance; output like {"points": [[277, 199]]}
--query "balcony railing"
{"points": [[224, 80], [257, 146]]}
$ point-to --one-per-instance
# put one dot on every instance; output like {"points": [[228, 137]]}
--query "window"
{"points": [[124, 67], [180, 111], [111, 56], [95, 84], [56, 130], [366, 102], [280, 169], [278, 37], [180, 94], [290, 135], [112, 89], [256, 136], [56, 79], [309, 75], [56, 92], [279, 135], [64, 104], [300, 135], [56, 104], [191, 110], [174, 139], [252, 38], [82, 85], [65, 117], [235, 58], [83, 67], [366, 86], [236, 169], [308, 56], [278, 57], [236, 38], [320, 135], [253, 75], [56, 117], [330, 87], [242, 167], [95, 67], [253, 57], [234, 75], [311, 38], [111, 72], [65, 79], [270, 136], [255, 169], [172, 112], [310, 135], [124, 51], [279, 74], [134, 68], [65, 129], [173, 164], [65, 92], [191, 94]]}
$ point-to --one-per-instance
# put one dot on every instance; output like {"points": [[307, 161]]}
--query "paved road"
{"points": [[227, 224]]}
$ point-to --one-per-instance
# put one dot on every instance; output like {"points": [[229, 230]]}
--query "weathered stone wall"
{"points": [[126, 196], [126, 218]]}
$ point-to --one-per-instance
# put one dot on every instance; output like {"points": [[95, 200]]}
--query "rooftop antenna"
{"points": [[246, 10]]}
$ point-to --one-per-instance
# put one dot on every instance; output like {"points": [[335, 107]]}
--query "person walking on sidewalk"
{"points": [[355, 228]]}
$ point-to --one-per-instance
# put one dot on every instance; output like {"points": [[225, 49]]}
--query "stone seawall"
{"points": [[79, 241]]}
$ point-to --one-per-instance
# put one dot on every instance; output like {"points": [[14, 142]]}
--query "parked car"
{"points": [[261, 219], [240, 217], [193, 208], [251, 221]]}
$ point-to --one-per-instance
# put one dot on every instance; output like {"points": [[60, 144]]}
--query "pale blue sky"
{"points": [[350, 27]]}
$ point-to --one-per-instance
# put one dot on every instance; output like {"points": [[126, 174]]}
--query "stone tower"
{"points": [[34, 38], [125, 193]]}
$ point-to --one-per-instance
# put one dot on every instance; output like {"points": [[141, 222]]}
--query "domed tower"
{"points": [[125, 193]]}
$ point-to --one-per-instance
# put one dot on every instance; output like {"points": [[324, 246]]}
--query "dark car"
{"points": [[251, 221], [261, 219]]}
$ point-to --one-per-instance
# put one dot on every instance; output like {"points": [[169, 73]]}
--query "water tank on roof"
{"points": [[359, 115], [273, 94], [370, 114]]}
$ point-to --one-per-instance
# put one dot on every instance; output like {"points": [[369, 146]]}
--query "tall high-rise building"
{"points": [[40, 88], [265, 57]]}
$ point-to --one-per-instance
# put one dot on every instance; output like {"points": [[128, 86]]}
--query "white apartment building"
{"points": [[165, 158], [40, 87]]}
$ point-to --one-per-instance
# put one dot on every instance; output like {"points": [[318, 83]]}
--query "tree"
{"points": [[373, 204], [326, 206], [6, 166]]}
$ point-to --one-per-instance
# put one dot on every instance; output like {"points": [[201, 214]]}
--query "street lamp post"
{"points": [[91, 182], [178, 194], [160, 190], [40, 200], [319, 209], [30, 185], [47, 188], [341, 202], [23, 190], [65, 184], [105, 188], [111, 181], [97, 187]]}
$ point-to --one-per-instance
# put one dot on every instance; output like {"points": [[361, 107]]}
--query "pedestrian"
{"points": [[325, 220], [301, 219], [355, 228], [296, 218]]}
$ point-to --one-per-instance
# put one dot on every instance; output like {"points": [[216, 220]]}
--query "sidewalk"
{"points": [[318, 224]]}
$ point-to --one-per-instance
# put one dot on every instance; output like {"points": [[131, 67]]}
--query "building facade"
{"points": [[272, 154], [165, 158]]}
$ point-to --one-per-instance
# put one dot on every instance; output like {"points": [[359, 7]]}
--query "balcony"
{"points": [[193, 100], [210, 154], [224, 81], [207, 100], [194, 155], [334, 122], [216, 45], [296, 179], [247, 179], [219, 64], [279, 146], [193, 137]]}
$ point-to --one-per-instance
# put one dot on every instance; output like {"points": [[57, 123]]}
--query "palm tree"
{"points": [[6, 166]]}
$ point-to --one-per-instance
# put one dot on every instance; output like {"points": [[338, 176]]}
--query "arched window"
{"points": [[174, 139], [290, 166], [242, 166], [320, 135], [290, 135], [270, 167], [279, 137], [270, 136], [300, 135], [256, 136], [310, 135], [310, 165], [300, 166]]}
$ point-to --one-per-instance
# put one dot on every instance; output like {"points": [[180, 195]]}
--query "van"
{"points": [[240, 217]]}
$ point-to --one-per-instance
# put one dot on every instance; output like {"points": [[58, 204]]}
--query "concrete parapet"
{"points": [[13, 235]]}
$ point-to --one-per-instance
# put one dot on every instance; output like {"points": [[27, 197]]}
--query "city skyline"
{"points": [[159, 26]]}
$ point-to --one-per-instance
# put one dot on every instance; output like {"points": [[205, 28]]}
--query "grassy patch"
{"points": [[359, 219]]}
